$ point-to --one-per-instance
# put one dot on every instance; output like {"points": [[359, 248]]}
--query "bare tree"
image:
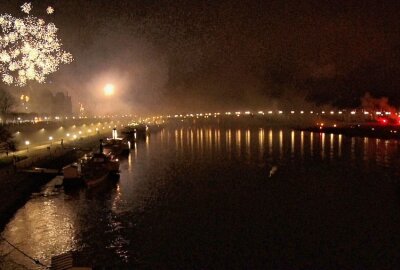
{"points": [[7, 144], [6, 102]]}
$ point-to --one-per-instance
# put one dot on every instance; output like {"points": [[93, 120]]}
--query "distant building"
{"points": [[44, 102], [62, 104]]}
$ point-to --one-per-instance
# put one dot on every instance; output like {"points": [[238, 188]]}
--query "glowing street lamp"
{"points": [[27, 143], [51, 140], [108, 89]]}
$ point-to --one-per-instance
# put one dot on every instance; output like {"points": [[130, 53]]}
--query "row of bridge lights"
{"points": [[238, 113], [59, 118]]}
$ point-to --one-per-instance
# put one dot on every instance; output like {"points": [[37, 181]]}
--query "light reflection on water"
{"points": [[44, 227], [48, 226]]}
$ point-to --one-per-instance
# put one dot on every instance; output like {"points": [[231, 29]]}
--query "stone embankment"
{"points": [[17, 185]]}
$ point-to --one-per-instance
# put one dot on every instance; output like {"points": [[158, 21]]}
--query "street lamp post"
{"points": [[27, 143]]}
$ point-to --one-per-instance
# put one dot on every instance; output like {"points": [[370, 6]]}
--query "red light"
{"points": [[382, 121]]}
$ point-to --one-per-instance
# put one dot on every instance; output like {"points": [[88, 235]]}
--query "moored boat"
{"points": [[100, 160], [72, 175], [116, 146], [134, 132], [91, 169], [97, 168], [95, 176]]}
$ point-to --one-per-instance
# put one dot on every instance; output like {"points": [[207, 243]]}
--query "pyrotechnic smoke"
{"points": [[29, 48], [372, 104]]}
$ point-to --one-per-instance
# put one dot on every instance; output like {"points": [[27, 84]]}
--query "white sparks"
{"points": [[29, 49], [50, 10], [8, 79], [26, 8]]}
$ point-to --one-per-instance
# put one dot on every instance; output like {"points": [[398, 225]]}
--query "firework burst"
{"points": [[50, 10], [29, 49], [26, 8]]}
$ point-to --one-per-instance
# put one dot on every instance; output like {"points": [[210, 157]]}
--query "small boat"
{"points": [[116, 146], [100, 160], [91, 169], [95, 176], [134, 132], [97, 168], [72, 175]]}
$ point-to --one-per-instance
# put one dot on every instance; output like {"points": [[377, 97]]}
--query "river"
{"points": [[218, 198]]}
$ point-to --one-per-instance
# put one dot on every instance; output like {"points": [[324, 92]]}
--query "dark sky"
{"points": [[209, 55]]}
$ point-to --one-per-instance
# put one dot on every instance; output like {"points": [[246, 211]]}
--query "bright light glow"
{"points": [[109, 89], [27, 142], [29, 49], [50, 138], [50, 10], [26, 8]]}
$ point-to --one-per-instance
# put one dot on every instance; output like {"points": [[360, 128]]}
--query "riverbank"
{"points": [[17, 185]]}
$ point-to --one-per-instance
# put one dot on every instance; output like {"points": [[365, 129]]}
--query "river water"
{"points": [[217, 198]]}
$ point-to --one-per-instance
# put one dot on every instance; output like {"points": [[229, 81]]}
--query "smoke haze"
{"points": [[176, 56]]}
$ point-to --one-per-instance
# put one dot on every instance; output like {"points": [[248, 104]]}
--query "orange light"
{"points": [[108, 89]]}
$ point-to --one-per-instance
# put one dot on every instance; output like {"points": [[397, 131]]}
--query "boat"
{"points": [[91, 170], [101, 160], [135, 131], [94, 176], [116, 146], [72, 175]]}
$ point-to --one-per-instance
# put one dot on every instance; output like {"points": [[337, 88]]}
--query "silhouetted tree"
{"points": [[7, 144], [6, 102]]}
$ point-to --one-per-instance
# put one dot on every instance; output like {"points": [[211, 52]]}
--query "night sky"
{"points": [[211, 55]]}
